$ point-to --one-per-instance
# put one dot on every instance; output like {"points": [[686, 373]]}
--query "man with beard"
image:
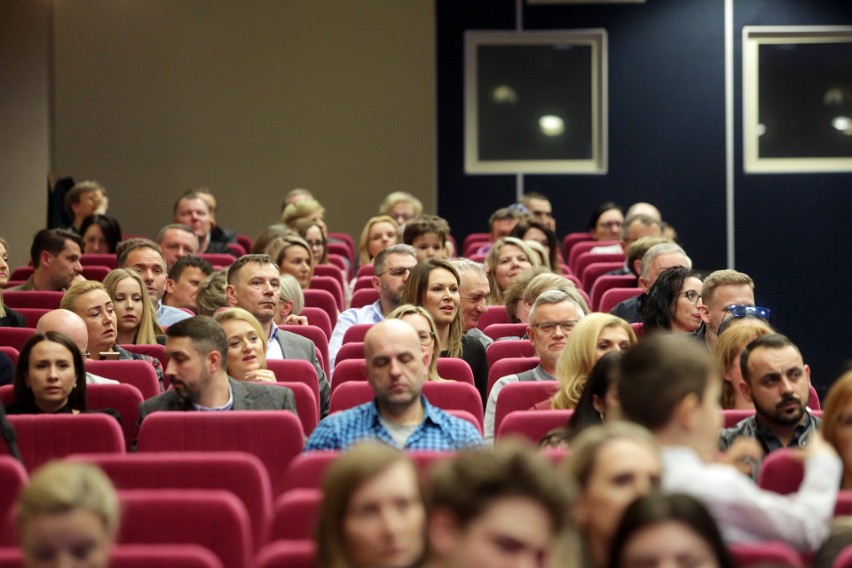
{"points": [[778, 382], [391, 268]]}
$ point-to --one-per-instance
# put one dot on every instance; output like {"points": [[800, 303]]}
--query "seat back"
{"points": [[532, 424], [595, 270], [455, 369], [43, 437], [220, 259], [341, 249], [295, 371], [15, 337], [32, 315], [214, 519], [731, 417], [140, 374], [13, 478], [364, 297], [363, 283], [589, 258], [32, 299], [521, 396], [109, 260], [608, 282], [493, 314], [306, 470], [156, 351], [289, 553], [571, 239], [509, 348], [275, 437], [497, 330], [781, 472], [509, 366], [307, 404], [769, 553], [237, 472], [582, 247], [123, 398], [95, 272], [356, 332], [324, 300], [346, 371], [615, 296], [316, 335], [139, 556], [295, 514], [318, 318], [330, 270], [330, 285], [350, 350], [813, 399], [11, 353], [365, 270]]}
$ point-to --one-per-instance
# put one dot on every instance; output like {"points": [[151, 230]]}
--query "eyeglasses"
{"points": [[396, 271], [611, 225], [549, 327], [691, 295], [426, 337], [744, 311], [313, 244]]}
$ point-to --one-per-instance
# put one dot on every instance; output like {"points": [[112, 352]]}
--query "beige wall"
{"points": [[250, 98], [24, 111]]}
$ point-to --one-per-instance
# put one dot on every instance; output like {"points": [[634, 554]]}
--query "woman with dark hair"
{"points": [[598, 403], [672, 302], [606, 221], [50, 376], [673, 530], [8, 316], [372, 512], [531, 230], [434, 285], [101, 234]]}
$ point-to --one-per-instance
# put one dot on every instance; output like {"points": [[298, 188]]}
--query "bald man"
{"points": [[72, 325]]}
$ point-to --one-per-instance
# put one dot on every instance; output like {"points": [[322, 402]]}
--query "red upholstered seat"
{"points": [[331, 285], [509, 348], [607, 282], [294, 514], [13, 478], [139, 556], [155, 350], [597, 270], [287, 553], [307, 404], [766, 554], [731, 417], [350, 350], [123, 398], [318, 318], [571, 239], [363, 283], [140, 374], [32, 315], [295, 371], [212, 518], [364, 297], [781, 472], [522, 396], [342, 249], [11, 353], [316, 335], [221, 259], [324, 300], [32, 299], [275, 437], [365, 270], [331, 271], [532, 424], [455, 369], [237, 472], [509, 366], [109, 260], [494, 314], [15, 337], [582, 247], [497, 330], [43, 437], [588, 258], [306, 470], [356, 332], [615, 296], [346, 238]]}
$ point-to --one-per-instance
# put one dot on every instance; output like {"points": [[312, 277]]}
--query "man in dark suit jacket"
{"points": [[253, 283], [197, 351]]}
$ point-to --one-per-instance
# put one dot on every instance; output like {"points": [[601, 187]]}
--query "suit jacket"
{"points": [[247, 396], [294, 346]]}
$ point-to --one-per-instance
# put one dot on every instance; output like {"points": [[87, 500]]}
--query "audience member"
{"points": [[507, 258], [8, 316], [145, 258], [424, 325], [253, 283], [400, 415], [101, 234], [303, 209], [634, 254], [657, 259], [246, 359], [517, 310], [295, 195], [642, 208], [777, 382], [184, 279], [606, 221], [612, 465], [72, 326], [55, 254], [720, 290], [682, 411], [68, 514], [293, 256], [313, 234], [192, 209], [391, 269], [402, 206], [500, 225], [217, 233], [211, 293], [84, 199], [434, 284], [291, 300], [540, 209], [90, 300], [473, 296], [505, 507], [727, 353], [135, 320], [635, 227], [549, 281], [428, 236], [551, 320], [378, 234], [198, 352], [372, 512], [597, 405], [595, 335], [668, 530], [177, 240], [837, 423], [271, 233], [672, 302], [531, 231]]}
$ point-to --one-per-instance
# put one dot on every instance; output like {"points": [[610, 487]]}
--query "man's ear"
{"points": [[643, 283], [231, 294], [745, 388], [443, 532], [704, 312], [44, 259], [214, 360], [685, 411], [170, 286], [531, 334], [636, 265], [808, 372], [377, 284]]}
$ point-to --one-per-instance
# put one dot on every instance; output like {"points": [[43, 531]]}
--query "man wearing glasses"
{"points": [[552, 318], [725, 294], [391, 268]]}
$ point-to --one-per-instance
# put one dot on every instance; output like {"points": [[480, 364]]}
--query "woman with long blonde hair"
{"points": [[423, 323], [136, 321]]}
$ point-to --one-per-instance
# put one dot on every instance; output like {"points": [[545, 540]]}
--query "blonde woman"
{"points": [[423, 323], [246, 346], [507, 258], [594, 335], [291, 300], [378, 234], [293, 256], [727, 351], [136, 321]]}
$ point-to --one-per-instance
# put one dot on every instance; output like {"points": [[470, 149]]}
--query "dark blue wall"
{"points": [[667, 146]]}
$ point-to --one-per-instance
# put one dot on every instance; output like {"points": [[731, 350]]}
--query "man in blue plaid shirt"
{"points": [[400, 415]]}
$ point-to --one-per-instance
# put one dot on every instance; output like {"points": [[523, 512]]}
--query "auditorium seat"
{"points": [[364, 297], [493, 314], [585, 246], [330, 285], [307, 404], [363, 283], [295, 514], [287, 553], [140, 374], [615, 296], [318, 318], [350, 350], [571, 239], [769, 553], [99, 259], [307, 470], [343, 249], [587, 259], [509, 366], [15, 337], [155, 350], [365, 270], [125, 399], [295, 371], [13, 478], [597, 270], [509, 348], [220, 259], [139, 556], [497, 330], [11, 353], [607, 282], [455, 369], [522, 396], [316, 335], [324, 300], [356, 332], [32, 299], [275, 437], [331, 271], [532, 424], [781, 471], [731, 417], [32, 315]]}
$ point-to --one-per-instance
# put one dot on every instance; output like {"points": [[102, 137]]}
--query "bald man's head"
{"points": [[67, 322]]}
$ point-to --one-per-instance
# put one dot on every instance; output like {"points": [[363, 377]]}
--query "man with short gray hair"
{"points": [[552, 318], [177, 240], [658, 258], [473, 292]]}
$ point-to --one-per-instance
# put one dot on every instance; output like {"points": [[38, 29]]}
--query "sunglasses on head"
{"points": [[745, 311]]}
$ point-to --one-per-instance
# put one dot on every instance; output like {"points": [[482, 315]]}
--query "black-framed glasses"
{"points": [[549, 327], [396, 271], [745, 311], [426, 337], [691, 295]]}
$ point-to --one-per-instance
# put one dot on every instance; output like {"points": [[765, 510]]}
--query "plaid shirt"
{"points": [[438, 432]]}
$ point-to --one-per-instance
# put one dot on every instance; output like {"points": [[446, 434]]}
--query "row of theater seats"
{"points": [[224, 504]]}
